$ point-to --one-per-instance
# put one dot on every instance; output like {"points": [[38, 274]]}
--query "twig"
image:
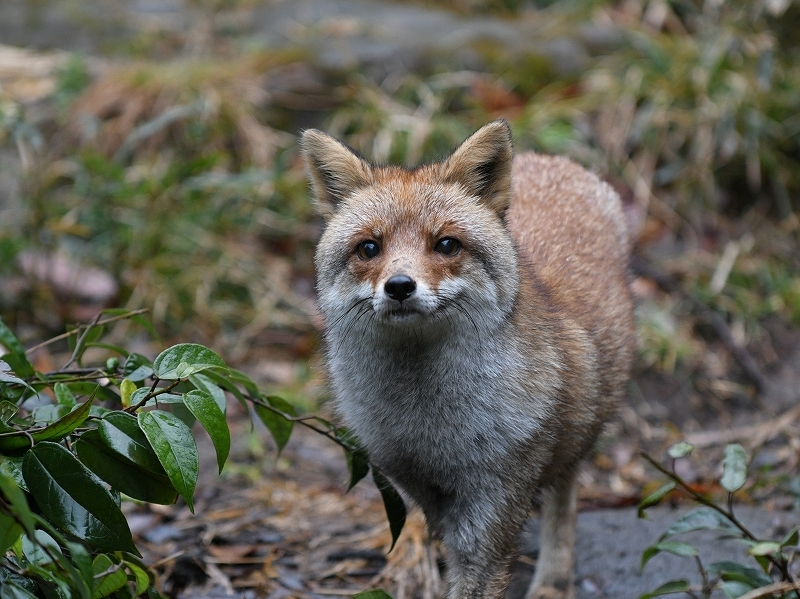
{"points": [[771, 590], [69, 334], [699, 498], [756, 434], [81, 338], [721, 328]]}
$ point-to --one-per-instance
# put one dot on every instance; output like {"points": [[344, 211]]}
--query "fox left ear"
{"points": [[334, 169], [482, 164]]}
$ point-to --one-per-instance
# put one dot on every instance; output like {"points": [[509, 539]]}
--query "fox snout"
{"points": [[400, 287]]}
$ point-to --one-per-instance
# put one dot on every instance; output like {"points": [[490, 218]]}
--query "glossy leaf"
{"points": [[203, 383], [53, 432], [64, 396], [73, 499], [654, 498], [10, 341], [278, 425], [703, 518], [182, 360], [174, 445], [121, 432], [673, 586], [734, 468], [678, 548], [393, 503], [123, 476], [108, 575], [207, 412]]}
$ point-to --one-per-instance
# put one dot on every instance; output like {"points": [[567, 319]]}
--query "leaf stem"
{"points": [[780, 564]]}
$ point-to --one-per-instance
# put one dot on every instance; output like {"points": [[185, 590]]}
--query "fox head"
{"points": [[421, 248]]}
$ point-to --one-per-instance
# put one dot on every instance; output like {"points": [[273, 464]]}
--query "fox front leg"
{"points": [[481, 543], [554, 574]]}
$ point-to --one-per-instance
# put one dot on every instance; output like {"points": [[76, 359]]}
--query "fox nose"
{"points": [[400, 287]]}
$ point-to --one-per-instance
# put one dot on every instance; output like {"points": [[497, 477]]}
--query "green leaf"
{"points": [[137, 368], [237, 376], [40, 550], [8, 339], [373, 594], [678, 548], [703, 518], [358, 465], [139, 576], [10, 530], [121, 473], [7, 375], [17, 502], [180, 361], [654, 498], [108, 576], [280, 426], [53, 432], [734, 571], [174, 445], [393, 503], [73, 499], [207, 412], [673, 586], [7, 411], [64, 396], [225, 383], [734, 468], [121, 432], [791, 537], [11, 590], [680, 450], [126, 390], [203, 383], [765, 548]]}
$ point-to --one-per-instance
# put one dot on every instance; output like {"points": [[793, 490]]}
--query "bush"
{"points": [[76, 441]]}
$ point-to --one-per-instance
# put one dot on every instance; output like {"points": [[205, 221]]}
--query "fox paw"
{"points": [[557, 591]]}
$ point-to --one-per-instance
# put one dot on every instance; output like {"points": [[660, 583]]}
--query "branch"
{"points": [[69, 334]]}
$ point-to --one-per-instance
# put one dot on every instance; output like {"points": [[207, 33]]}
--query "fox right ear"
{"points": [[335, 170]]}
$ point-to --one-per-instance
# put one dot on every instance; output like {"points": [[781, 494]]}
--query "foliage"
{"points": [[770, 575], [76, 441]]}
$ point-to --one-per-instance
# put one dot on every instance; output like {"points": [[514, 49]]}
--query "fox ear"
{"points": [[335, 170], [482, 164]]}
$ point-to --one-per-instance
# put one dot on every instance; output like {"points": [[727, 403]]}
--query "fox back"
{"points": [[478, 334]]}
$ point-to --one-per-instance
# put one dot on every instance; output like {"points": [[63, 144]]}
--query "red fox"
{"points": [[479, 333]]}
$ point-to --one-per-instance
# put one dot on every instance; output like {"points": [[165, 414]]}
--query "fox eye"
{"points": [[447, 246], [368, 249]]}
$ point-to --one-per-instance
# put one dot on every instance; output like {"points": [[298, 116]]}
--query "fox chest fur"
{"points": [[478, 326]]}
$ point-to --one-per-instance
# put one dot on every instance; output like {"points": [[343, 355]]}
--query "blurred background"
{"points": [[149, 159]]}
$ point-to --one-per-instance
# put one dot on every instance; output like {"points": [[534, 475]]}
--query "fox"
{"points": [[478, 335]]}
